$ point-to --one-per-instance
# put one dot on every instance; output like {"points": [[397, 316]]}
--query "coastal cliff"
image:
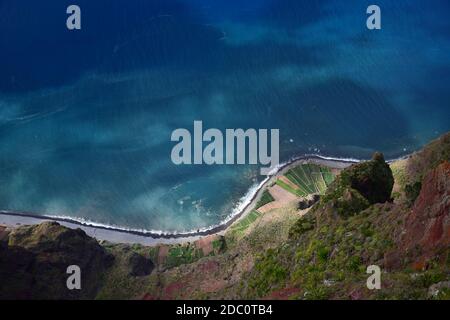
{"points": [[34, 260], [311, 236]]}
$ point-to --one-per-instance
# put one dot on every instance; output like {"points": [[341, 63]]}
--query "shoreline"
{"points": [[124, 235]]}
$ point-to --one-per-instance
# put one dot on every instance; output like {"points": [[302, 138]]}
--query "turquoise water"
{"points": [[86, 116]]}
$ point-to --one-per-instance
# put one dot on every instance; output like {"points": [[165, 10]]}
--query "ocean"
{"points": [[86, 115]]}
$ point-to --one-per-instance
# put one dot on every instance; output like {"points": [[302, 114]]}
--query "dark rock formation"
{"points": [[373, 179], [308, 202], [4, 234], [34, 263], [361, 185]]}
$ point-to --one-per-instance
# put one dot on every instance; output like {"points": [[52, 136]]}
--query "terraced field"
{"points": [[308, 178], [300, 181], [245, 222]]}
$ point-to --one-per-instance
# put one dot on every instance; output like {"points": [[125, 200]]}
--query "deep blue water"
{"points": [[86, 116]]}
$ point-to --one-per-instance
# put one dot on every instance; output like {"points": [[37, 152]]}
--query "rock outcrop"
{"points": [[360, 186], [33, 264]]}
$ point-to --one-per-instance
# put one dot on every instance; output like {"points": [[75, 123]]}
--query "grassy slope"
{"points": [[328, 258]]}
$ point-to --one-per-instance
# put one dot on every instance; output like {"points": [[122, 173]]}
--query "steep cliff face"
{"points": [[427, 228], [34, 262], [431, 156]]}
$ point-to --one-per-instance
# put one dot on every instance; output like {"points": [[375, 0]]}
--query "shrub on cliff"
{"points": [[350, 202], [303, 225], [412, 191]]}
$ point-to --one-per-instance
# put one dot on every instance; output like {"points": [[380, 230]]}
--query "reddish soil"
{"points": [[427, 228], [283, 294], [206, 244], [162, 253], [172, 291]]}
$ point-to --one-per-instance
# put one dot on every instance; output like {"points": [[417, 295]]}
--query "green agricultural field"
{"points": [[297, 181], [245, 222], [266, 198], [309, 178], [288, 188], [327, 175]]}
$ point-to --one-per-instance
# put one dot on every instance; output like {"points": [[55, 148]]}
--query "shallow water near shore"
{"points": [[85, 126]]}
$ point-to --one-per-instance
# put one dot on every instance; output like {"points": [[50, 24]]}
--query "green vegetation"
{"points": [[302, 179], [245, 222], [350, 203], [118, 283], [309, 179], [182, 254], [266, 198], [399, 172], [153, 253], [219, 245], [304, 224], [299, 180], [353, 226], [288, 188], [412, 191], [270, 274], [324, 261], [323, 254], [327, 175]]}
